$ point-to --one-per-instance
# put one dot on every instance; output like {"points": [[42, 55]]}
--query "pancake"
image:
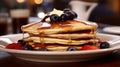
{"points": [[67, 36], [72, 36], [52, 47], [57, 28], [60, 41]]}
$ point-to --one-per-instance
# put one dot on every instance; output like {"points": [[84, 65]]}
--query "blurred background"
{"points": [[15, 13]]}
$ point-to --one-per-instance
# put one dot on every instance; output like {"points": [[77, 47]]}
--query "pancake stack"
{"points": [[58, 31], [60, 36]]}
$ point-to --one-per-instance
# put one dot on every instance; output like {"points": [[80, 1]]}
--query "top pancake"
{"points": [[57, 27]]}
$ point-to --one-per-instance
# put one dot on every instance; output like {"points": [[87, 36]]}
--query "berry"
{"points": [[66, 10], [104, 45], [64, 17], [27, 47], [89, 47], [14, 46], [59, 19], [75, 15], [22, 42], [71, 14], [54, 18], [71, 49]]}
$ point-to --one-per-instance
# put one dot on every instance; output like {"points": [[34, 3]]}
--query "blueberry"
{"points": [[71, 14], [54, 18], [22, 42], [28, 47], [64, 17], [71, 49], [75, 15], [66, 10], [59, 19], [42, 49], [104, 45]]}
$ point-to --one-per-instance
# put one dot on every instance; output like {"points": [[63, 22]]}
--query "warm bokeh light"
{"points": [[38, 1], [20, 1], [41, 14]]}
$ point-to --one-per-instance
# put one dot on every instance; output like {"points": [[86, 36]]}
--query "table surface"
{"points": [[110, 60]]}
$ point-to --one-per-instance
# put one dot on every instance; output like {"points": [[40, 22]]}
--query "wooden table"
{"points": [[111, 60]]}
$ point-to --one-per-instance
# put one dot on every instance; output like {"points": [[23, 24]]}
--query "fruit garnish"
{"points": [[22, 42], [89, 47], [72, 15], [64, 17], [58, 15], [72, 49], [27, 47], [104, 45], [14, 46], [54, 18], [66, 10]]}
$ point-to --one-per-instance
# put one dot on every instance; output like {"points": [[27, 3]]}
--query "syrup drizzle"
{"points": [[94, 38], [42, 38], [42, 41], [69, 40]]}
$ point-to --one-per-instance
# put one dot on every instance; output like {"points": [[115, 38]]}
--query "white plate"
{"points": [[67, 56], [113, 29], [34, 19]]}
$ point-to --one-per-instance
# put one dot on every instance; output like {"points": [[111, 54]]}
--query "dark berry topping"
{"points": [[54, 18], [72, 15], [64, 17], [75, 15], [67, 15], [104, 45], [59, 19], [28, 47], [22, 42], [71, 49], [66, 10]]}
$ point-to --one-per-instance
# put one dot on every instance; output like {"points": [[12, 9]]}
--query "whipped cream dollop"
{"points": [[55, 11], [60, 16]]}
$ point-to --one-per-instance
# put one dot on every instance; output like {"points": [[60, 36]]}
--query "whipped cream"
{"points": [[55, 11]]}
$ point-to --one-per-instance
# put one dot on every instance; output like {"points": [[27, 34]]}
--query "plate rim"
{"points": [[57, 52], [109, 31]]}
